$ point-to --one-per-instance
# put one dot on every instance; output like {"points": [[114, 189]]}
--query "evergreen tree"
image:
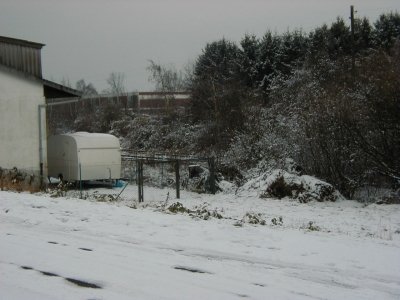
{"points": [[249, 60], [270, 54], [217, 91], [387, 30], [363, 35], [216, 68], [319, 40], [339, 43], [293, 51]]}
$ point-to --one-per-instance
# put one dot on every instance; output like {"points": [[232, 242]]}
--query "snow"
{"points": [[141, 251]]}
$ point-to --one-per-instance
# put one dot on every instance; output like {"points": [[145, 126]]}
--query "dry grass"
{"points": [[16, 180]]}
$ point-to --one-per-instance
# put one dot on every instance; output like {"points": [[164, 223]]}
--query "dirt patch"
{"points": [[192, 270], [78, 282], [82, 283], [85, 249], [49, 274]]}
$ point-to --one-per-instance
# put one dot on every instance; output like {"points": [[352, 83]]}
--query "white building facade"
{"points": [[20, 97], [23, 94]]}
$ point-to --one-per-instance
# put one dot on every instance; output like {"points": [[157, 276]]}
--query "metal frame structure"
{"points": [[176, 160]]}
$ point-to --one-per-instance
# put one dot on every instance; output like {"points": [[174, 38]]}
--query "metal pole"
{"points": [[177, 179], [134, 172], [162, 174], [40, 143], [211, 163], [41, 156], [121, 191], [141, 180], [80, 179], [139, 164], [73, 100], [138, 179]]}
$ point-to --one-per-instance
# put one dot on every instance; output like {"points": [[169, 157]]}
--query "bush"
{"points": [[251, 218], [277, 221], [304, 188], [311, 227], [280, 189]]}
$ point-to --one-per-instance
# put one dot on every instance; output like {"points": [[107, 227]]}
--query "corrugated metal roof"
{"points": [[20, 42], [21, 55]]}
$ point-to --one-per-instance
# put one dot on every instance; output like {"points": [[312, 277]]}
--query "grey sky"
{"points": [[91, 38]]}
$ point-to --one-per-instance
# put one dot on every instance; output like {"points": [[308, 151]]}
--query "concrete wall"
{"points": [[20, 97]]}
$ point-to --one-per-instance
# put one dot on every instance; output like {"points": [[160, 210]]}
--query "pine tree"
{"points": [[216, 87], [249, 60], [387, 30], [269, 58]]}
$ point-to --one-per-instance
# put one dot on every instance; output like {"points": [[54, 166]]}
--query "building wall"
{"points": [[20, 97], [162, 101]]}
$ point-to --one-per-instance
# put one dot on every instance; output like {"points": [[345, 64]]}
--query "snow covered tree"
{"points": [[269, 58], [293, 51], [363, 35], [250, 61], [387, 30], [376, 126], [339, 39], [333, 41]]}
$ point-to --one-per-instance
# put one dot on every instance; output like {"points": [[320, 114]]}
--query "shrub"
{"points": [[276, 221]]}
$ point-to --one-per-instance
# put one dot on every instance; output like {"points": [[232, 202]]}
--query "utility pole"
{"points": [[353, 58]]}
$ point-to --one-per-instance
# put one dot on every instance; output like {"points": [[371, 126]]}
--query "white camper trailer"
{"points": [[84, 156]]}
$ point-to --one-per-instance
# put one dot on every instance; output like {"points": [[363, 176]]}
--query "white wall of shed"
{"points": [[62, 157], [20, 98], [98, 154]]}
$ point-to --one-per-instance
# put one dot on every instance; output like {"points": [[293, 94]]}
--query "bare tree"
{"points": [[86, 89], [116, 83], [65, 82], [166, 79]]}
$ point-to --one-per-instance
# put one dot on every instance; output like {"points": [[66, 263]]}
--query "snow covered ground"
{"points": [[67, 248]]}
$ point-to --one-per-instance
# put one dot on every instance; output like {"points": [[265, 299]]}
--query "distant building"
{"points": [[163, 101], [143, 102], [23, 94]]}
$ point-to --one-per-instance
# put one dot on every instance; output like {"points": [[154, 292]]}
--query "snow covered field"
{"points": [[67, 248]]}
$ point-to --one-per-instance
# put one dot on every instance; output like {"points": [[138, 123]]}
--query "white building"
{"points": [[23, 93]]}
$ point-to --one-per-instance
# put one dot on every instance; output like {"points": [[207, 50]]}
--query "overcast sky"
{"points": [[89, 39]]}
